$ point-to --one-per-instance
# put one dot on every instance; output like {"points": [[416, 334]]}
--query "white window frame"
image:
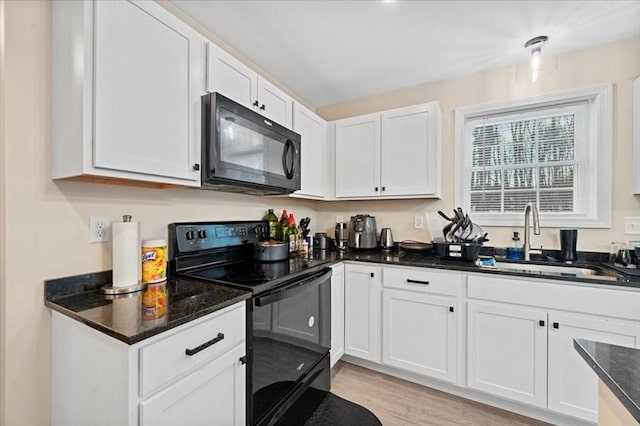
{"points": [[595, 207]]}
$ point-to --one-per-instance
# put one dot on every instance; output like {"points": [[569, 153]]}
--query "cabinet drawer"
{"points": [[166, 359], [562, 295], [423, 280]]}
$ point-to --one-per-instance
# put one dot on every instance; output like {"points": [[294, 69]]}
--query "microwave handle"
{"points": [[288, 148]]}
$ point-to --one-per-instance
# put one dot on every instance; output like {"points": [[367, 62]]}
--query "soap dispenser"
{"points": [[515, 252]]}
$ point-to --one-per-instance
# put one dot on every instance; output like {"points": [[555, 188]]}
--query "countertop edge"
{"points": [[150, 333], [609, 381]]}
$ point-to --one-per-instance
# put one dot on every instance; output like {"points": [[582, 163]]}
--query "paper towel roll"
{"points": [[126, 253]]}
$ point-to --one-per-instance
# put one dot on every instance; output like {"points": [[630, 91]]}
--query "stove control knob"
{"points": [[202, 234], [191, 234]]}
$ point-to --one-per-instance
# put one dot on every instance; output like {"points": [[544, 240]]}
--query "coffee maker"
{"points": [[341, 235], [362, 232]]}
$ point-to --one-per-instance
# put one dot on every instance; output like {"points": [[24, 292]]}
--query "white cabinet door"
{"points": [[313, 130], [357, 150], [274, 103], [337, 313], [214, 394], [507, 352], [231, 78], [410, 163], [573, 387], [362, 311], [420, 333], [148, 82]]}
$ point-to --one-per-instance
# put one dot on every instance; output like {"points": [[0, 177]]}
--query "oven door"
{"points": [[290, 334], [243, 147]]}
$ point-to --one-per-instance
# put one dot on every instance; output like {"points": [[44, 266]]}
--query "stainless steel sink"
{"points": [[562, 270]]}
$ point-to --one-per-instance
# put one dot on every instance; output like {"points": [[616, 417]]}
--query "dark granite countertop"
{"points": [[124, 317], [618, 367], [398, 257], [187, 299]]}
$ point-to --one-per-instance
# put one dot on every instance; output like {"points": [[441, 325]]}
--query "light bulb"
{"points": [[535, 58]]}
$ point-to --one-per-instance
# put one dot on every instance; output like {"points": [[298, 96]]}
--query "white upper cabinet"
{"points": [[392, 154], [127, 82], [235, 80], [358, 156], [313, 130], [410, 152]]}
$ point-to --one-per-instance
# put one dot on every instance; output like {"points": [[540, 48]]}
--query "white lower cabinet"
{"points": [[420, 333], [520, 339], [362, 298], [507, 352], [337, 313], [572, 384], [98, 380], [212, 393]]}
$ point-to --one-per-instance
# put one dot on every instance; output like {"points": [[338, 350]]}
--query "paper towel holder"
{"points": [[110, 290]]}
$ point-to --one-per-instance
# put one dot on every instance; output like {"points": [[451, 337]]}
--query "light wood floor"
{"points": [[398, 402]]}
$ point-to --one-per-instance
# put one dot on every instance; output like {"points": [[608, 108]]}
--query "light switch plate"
{"points": [[418, 222], [632, 225]]}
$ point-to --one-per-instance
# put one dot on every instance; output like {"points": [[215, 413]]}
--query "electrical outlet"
{"points": [[418, 222], [632, 225], [99, 229], [339, 219]]}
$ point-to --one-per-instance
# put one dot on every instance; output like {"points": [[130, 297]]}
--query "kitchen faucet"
{"points": [[527, 231]]}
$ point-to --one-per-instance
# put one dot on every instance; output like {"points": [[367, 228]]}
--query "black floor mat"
{"points": [[332, 411]]}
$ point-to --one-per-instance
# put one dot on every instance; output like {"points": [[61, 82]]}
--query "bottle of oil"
{"points": [[292, 234], [273, 224], [281, 233]]}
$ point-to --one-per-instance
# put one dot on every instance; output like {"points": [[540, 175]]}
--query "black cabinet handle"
{"points": [[417, 281], [556, 325], [541, 322], [255, 103], [262, 107], [196, 167], [384, 188], [450, 308], [376, 189], [205, 345], [243, 359], [372, 275]]}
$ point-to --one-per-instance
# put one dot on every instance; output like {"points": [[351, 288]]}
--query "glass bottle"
{"points": [[282, 226], [292, 234], [273, 224]]}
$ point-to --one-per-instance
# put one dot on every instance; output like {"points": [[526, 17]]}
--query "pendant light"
{"points": [[535, 44]]}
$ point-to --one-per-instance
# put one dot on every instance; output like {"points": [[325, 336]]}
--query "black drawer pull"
{"points": [[541, 322], [556, 325], [450, 308], [417, 282], [205, 345]]}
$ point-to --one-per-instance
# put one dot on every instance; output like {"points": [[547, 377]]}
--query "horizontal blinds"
{"points": [[526, 157]]}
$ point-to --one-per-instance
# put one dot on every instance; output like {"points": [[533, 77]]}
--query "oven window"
{"points": [[290, 336]]}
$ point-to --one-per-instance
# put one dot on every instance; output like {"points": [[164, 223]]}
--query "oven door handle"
{"points": [[293, 289]]}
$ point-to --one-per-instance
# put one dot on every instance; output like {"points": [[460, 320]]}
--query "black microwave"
{"points": [[242, 151]]}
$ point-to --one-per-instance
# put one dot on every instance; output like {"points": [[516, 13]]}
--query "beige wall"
{"points": [[47, 222], [618, 63]]}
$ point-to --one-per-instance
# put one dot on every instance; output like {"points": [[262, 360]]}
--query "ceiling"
{"points": [[329, 51]]}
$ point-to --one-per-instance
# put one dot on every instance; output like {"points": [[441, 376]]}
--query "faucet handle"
{"points": [[536, 251]]}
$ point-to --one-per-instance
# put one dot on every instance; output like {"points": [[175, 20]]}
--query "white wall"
{"points": [[617, 63], [46, 229]]}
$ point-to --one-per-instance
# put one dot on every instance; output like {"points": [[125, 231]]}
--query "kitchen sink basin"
{"points": [[561, 270]]}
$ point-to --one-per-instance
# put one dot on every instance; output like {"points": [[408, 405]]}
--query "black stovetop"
{"points": [[258, 277]]}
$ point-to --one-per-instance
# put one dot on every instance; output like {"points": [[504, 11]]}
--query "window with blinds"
{"points": [[528, 158], [553, 150]]}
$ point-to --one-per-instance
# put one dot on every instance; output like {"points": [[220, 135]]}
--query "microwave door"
{"points": [[248, 152]]}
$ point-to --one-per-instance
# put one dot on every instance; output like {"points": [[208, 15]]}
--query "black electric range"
{"points": [[288, 316]]}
